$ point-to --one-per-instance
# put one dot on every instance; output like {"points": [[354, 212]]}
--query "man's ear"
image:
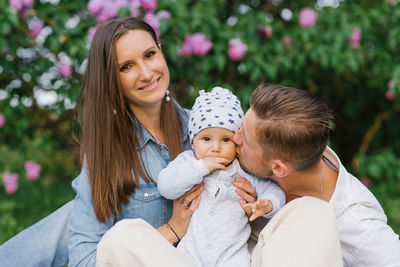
{"points": [[280, 168]]}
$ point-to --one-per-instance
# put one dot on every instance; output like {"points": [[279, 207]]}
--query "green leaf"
{"points": [[124, 12], [4, 28]]}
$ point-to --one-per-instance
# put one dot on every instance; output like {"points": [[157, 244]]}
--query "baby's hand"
{"points": [[260, 207], [215, 163]]}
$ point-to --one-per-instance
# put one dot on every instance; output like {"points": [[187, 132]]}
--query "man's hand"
{"points": [[215, 163], [259, 208], [245, 190]]}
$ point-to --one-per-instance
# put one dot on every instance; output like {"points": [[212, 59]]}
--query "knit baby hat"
{"points": [[218, 108]]}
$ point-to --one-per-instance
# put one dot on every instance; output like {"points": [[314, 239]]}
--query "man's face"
{"points": [[248, 151]]}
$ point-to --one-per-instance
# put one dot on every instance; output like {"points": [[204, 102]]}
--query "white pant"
{"points": [[302, 234]]}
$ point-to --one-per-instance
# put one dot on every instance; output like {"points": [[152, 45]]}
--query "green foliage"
{"points": [[383, 170], [320, 59]]}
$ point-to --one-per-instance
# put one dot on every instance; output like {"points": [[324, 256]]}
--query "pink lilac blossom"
{"points": [[91, 32], [106, 10], [286, 40], [10, 181], [366, 181], [109, 11], [308, 17], [37, 27], [24, 13], [197, 44], [152, 20], [28, 3], [134, 6], [391, 2], [149, 5], [6, 49], [32, 170], [390, 95], [237, 49], [355, 38], [390, 84], [18, 4], [95, 7], [187, 46], [65, 70], [22, 6], [163, 14], [2, 120], [265, 31]]}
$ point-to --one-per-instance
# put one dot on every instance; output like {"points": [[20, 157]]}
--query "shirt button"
{"points": [[211, 213], [146, 194]]}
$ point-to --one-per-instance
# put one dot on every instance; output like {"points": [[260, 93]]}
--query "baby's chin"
{"points": [[230, 161]]}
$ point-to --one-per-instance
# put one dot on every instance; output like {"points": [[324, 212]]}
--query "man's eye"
{"points": [[150, 54], [226, 139], [206, 138], [125, 67]]}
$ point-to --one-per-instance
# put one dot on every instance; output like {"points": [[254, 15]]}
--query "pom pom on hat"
{"points": [[218, 108]]}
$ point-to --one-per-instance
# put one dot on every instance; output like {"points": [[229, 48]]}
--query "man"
{"points": [[284, 137]]}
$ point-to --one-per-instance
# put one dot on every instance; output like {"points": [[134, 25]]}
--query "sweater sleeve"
{"points": [[181, 175]]}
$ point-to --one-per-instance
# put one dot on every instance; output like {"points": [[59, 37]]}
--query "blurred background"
{"points": [[344, 51]]}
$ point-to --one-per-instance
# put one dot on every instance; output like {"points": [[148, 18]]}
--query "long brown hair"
{"points": [[295, 124], [109, 143]]}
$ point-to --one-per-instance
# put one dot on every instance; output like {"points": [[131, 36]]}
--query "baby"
{"points": [[219, 229]]}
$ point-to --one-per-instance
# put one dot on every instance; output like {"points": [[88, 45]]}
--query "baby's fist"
{"points": [[215, 163]]}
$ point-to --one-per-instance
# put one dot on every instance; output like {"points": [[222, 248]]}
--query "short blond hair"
{"points": [[295, 124]]}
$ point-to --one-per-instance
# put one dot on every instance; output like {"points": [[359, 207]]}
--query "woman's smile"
{"points": [[150, 86]]}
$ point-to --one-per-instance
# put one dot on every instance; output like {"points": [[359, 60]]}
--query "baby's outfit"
{"points": [[219, 229]]}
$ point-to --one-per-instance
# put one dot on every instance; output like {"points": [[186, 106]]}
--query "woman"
{"points": [[131, 129]]}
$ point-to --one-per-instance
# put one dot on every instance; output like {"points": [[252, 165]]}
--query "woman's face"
{"points": [[143, 71]]}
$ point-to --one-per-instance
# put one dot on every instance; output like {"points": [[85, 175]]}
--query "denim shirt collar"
{"points": [[141, 131]]}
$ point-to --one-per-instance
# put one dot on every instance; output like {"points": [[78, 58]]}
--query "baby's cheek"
{"points": [[231, 151]]}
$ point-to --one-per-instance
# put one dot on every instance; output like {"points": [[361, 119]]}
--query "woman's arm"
{"points": [[84, 228], [181, 215]]}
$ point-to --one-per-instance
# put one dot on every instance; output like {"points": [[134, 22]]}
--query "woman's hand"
{"points": [[246, 191], [183, 210]]}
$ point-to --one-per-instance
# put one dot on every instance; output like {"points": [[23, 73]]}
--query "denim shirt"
{"points": [[146, 202]]}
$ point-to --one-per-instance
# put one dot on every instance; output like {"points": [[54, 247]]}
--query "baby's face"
{"points": [[214, 142]]}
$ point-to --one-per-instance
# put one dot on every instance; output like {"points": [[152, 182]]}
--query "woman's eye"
{"points": [[226, 139], [150, 54], [124, 68], [206, 138]]}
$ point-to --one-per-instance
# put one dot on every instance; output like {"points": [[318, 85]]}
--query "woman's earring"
{"points": [[167, 98]]}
